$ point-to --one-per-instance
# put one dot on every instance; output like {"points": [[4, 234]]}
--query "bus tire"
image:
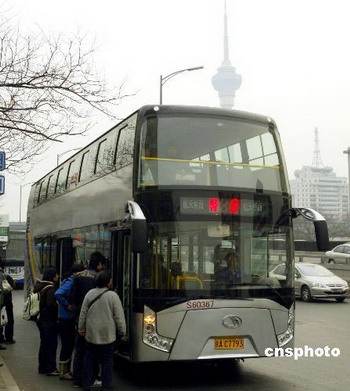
{"points": [[340, 299]]}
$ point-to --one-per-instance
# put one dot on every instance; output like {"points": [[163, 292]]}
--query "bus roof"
{"points": [[179, 109], [182, 109]]}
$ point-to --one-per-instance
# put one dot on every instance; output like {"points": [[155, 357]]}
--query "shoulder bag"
{"points": [[96, 298], [3, 317], [6, 286]]}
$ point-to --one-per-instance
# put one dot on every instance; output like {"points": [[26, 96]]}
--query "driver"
{"points": [[229, 274]]}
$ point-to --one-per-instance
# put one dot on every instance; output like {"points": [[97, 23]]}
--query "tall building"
{"points": [[226, 81], [318, 187]]}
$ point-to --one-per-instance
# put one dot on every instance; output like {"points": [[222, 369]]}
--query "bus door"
{"points": [[64, 256], [121, 261]]}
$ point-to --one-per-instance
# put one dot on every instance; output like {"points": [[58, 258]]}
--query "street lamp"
{"points": [[164, 79], [63, 153], [347, 152], [20, 199]]}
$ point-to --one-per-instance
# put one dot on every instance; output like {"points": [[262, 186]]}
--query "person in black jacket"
{"points": [[83, 283], [47, 322], [6, 333]]}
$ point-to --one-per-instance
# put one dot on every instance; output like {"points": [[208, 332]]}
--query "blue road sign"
{"points": [[2, 184], [2, 160]]}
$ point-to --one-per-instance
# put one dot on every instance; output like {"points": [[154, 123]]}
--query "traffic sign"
{"points": [[2, 184], [4, 229], [2, 160]]}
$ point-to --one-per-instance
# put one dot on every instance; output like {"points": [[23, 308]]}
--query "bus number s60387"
{"points": [[198, 305]]}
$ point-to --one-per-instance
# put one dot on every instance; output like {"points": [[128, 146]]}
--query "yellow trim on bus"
{"points": [[276, 167], [31, 257]]}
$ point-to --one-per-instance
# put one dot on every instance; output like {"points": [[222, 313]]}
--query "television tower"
{"points": [[317, 161], [226, 81]]}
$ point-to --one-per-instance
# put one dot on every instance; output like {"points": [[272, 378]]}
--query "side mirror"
{"points": [[320, 224], [139, 236], [322, 237], [138, 227]]}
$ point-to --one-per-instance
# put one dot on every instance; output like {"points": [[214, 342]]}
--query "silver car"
{"points": [[313, 281], [339, 254]]}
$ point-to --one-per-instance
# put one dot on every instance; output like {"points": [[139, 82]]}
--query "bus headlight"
{"points": [[150, 335], [288, 335]]}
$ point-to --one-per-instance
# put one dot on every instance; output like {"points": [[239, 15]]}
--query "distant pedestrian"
{"points": [[6, 333], [101, 320], [47, 322], [83, 283], [67, 321]]}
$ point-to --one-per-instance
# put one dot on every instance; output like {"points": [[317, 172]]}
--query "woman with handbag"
{"points": [[101, 319], [47, 322]]}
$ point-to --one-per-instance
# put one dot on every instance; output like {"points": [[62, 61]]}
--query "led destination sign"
{"points": [[214, 205]]}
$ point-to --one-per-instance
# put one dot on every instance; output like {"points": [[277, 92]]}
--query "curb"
{"points": [[7, 378]]}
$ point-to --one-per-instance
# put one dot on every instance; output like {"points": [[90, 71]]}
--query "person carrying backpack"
{"points": [[47, 322]]}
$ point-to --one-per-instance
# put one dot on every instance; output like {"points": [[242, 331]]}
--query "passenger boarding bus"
{"points": [[169, 196]]}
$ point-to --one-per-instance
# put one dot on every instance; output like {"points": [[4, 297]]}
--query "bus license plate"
{"points": [[228, 343]]}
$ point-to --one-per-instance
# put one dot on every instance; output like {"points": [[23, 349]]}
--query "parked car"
{"points": [[339, 254], [313, 281]]}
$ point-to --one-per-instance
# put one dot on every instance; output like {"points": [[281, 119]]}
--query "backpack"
{"points": [[31, 309]]}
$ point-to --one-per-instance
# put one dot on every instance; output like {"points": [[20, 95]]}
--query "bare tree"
{"points": [[49, 89], [303, 229], [338, 228]]}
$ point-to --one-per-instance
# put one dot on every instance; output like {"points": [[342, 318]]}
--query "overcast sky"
{"points": [[293, 57]]}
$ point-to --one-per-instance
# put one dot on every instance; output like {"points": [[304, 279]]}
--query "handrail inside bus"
{"points": [[182, 279]]}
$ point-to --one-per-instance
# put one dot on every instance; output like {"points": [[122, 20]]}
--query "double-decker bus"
{"points": [[168, 196]]}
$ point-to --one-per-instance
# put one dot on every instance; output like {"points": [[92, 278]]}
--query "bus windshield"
{"points": [[195, 258], [209, 151]]}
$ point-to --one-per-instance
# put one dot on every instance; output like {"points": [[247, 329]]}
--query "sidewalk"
{"points": [[7, 382]]}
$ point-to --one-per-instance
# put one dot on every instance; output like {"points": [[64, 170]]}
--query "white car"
{"points": [[339, 254], [313, 281]]}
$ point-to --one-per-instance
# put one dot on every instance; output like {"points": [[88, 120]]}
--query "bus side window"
{"points": [[85, 167], [100, 164], [125, 147], [51, 186], [73, 173], [42, 191], [108, 154], [61, 180]]}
